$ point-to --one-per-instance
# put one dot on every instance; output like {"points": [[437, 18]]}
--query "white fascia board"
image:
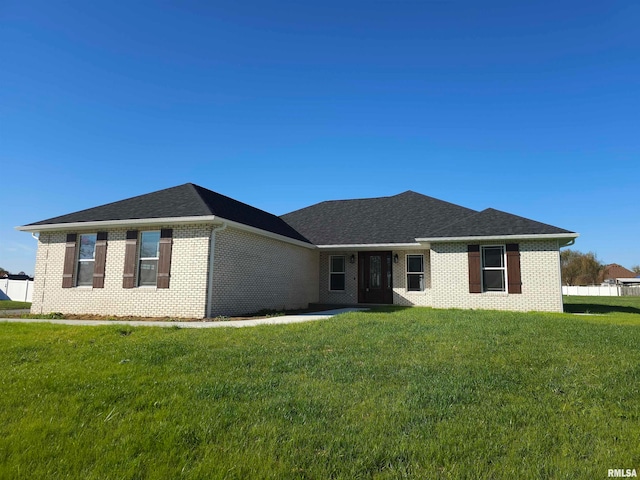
{"points": [[373, 246], [147, 222], [491, 238], [150, 222]]}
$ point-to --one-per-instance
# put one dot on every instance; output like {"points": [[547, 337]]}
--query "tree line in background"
{"points": [[4, 272], [583, 268]]}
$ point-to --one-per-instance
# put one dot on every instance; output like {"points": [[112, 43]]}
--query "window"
{"points": [[149, 255], [493, 269], [337, 275], [415, 273], [86, 259], [147, 258]]}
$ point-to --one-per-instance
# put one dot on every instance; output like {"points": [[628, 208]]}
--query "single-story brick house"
{"points": [[190, 252]]}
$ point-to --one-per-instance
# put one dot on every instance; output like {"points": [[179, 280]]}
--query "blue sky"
{"points": [[528, 107]]}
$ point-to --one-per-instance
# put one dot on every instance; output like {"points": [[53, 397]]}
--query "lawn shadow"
{"points": [[598, 308]]}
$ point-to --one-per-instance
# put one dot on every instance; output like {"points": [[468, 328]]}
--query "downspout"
{"points": [[212, 255], [560, 276]]}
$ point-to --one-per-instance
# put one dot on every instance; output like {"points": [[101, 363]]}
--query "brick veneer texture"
{"points": [[447, 279], [251, 273]]}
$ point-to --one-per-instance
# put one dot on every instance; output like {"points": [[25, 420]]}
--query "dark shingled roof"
{"points": [[396, 219], [186, 200], [402, 218], [491, 222]]}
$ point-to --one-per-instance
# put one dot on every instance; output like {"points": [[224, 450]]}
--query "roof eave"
{"points": [[151, 222], [117, 223], [568, 237], [372, 246]]}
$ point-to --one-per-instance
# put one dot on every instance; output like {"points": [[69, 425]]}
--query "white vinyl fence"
{"points": [[602, 291], [592, 291], [17, 290]]}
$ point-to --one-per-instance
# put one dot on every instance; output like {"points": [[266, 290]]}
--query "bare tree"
{"points": [[579, 268], [636, 269]]}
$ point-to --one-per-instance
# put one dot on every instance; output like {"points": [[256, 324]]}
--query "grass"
{"points": [[395, 393], [13, 305], [577, 304]]}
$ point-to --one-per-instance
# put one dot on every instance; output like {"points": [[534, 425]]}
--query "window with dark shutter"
{"points": [[475, 285], [100, 260], [164, 260], [513, 268], [69, 260], [130, 250]]}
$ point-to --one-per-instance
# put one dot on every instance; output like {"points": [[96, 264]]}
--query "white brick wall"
{"points": [[184, 298], [350, 294], [401, 296], [447, 279], [540, 274], [252, 273]]}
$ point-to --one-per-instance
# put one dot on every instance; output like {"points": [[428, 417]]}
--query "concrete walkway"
{"points": [[305, 317]]}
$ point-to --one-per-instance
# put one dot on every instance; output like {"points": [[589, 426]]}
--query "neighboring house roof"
{"points": [[407, 218], [183, 201], [613, 270], [18, 276]]}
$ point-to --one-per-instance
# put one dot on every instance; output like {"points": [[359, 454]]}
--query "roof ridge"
{"points": [[197, 189]]}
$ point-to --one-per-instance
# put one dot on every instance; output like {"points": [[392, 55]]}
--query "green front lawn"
{"points": [[12, 305], [577, 304], [396, 393]]}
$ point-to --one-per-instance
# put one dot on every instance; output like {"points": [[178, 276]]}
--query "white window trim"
{"points": [[140, 258], [503, 268], [344, 272], [407, 273], [78, 259]]}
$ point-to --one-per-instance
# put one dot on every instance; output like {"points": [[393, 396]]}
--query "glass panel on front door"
{"points": [[375, 272]]}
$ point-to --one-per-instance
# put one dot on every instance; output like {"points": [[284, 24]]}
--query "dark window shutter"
{"points": [[100, 258], [69, 260], [474, 269], [513, 268], [164, 262], [130, 251]]}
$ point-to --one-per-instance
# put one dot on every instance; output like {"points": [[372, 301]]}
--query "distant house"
{"points": [[190, 252], [613, 270], [18, 276]]}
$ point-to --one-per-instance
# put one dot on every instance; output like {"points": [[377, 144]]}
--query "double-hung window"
{"points": [[86, 259], [415, 273], [493, 269], [337, 272], [149, 255]]}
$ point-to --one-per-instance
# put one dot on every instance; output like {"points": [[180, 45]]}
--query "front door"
{"points": [[374, 277]]}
